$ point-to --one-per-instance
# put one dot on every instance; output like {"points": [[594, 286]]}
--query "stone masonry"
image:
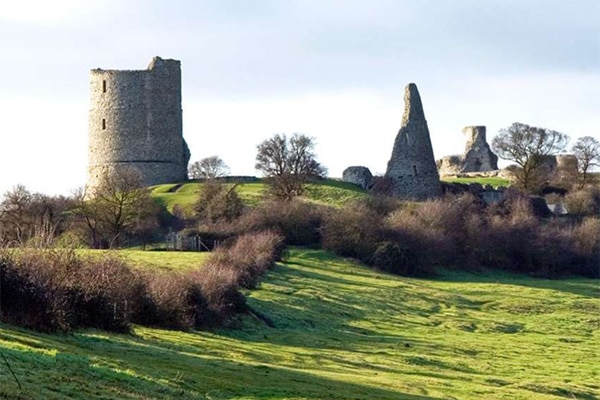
{"points": [[359, 175], [135, 121], [411, 168], [478, 156]]}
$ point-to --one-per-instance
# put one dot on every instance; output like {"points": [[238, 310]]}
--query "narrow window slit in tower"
{"points": [[415, 169], [103, 124], [104, 86]]}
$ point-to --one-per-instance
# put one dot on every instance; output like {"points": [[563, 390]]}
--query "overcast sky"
{"points": [[332, 69]]}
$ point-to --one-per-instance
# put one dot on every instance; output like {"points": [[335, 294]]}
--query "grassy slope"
{"points": [[342, 332], [329, 191], [493, 181], [160, 260]]}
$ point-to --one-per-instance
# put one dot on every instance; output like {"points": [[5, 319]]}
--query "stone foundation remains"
{"points": [[360, 176], [478, 156]]}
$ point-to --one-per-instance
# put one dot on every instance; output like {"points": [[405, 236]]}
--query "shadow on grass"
{"points": [[576, 285], [586, 287], [125, 367]]}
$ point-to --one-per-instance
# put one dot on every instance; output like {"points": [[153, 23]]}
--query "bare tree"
{"points": [[587, 151], [529, 147], [85, 214], [288, 164], [208, 168], [32, 219], [14, 215], [116, 206], [218, 201]]}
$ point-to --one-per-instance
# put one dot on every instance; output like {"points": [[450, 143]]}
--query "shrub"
{"points": [[383, 205], [382, 185], [250, 255], [586, 244], [164, 301], [584, 202], [54, 290], [509, 243], [428, 245], [34, 289], [391, 257], [104, 290], [297, 221], [353, 231], [209, 296], [218, 201], [218, 285], [552, 251]]}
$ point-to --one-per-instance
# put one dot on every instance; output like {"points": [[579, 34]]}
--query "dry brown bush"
{"points": [[57, 290], [219, 287], [33, 291], [250, 255], [299, 222], [586, 243], [105, 289], [164, 301], [584, 202], [353, 231]]}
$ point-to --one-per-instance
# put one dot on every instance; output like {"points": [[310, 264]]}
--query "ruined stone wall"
{"points": [[358, 175], [135, 121], [411, 168], [478, 156]]}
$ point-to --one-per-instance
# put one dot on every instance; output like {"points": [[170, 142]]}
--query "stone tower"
{"points": [[478, 155], [135, 121], [412, 168]]}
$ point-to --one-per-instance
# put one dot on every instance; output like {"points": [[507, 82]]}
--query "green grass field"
{"points": [[341, 332], [493, 181], [157, 259], [328, 191]]}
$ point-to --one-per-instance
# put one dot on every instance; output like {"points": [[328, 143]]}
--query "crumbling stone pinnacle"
{"points": [[413, 108], [411, 169]]}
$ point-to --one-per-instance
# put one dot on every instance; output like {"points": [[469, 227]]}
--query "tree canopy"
{"points": [[529, 147], [119, 204], [288, 164], [587, 151], [208, 168]]}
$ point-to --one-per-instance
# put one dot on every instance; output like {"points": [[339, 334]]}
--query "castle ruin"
{"points": [[411, 169], [135, 121], [478, 156]]}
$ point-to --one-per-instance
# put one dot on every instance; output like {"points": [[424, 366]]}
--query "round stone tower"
{"points": [[135, 121]]}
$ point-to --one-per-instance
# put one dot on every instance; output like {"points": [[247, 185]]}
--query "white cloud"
{"points": [[332, 69]]}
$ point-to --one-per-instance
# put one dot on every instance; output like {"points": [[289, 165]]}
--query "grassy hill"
{"points": [[493, 181], [340, 331], [167, 261], [328, 191]]}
